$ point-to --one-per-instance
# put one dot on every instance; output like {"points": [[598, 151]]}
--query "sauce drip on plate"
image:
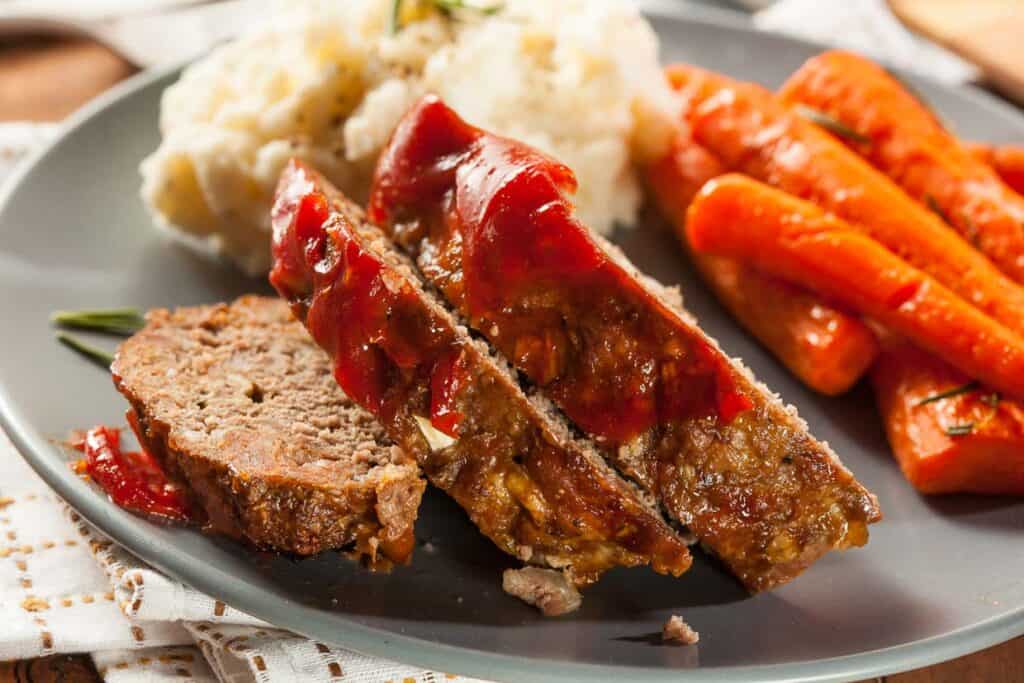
{"points": [[133, 480]]}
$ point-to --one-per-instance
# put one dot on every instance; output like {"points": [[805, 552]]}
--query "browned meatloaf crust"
{"points": [[490, 224], [539, 493], [239, 405]]}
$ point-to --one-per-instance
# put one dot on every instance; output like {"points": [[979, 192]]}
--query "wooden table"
{"points": [[43, 80]]}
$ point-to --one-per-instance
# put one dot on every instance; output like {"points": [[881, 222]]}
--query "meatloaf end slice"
{"points": [[239, 405]]}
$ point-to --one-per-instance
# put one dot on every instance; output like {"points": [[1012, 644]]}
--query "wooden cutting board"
{"points": [[989, 33]]}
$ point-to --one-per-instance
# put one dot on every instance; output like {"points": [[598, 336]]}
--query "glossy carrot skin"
{"points": [[695, 84], [1006, 160], [953, 465], [967, 189], [751, 132], [912, 147], [739, 218], [828, 349], [927, 438]]}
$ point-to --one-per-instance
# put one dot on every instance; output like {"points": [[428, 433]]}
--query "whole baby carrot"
{"points": [[826, 348], [751, 132], [902, 137], [739, 218]]}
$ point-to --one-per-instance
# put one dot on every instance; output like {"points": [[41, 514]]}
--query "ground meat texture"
{"points": [[539, 493], [489, 224], [676, 630], [546, 589], [238, 405]]}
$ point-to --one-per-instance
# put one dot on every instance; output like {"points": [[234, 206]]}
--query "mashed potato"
{"points": [[327, 81]]}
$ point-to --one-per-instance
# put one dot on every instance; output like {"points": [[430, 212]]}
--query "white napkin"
{"points": [[65, 587], [53, 597]]}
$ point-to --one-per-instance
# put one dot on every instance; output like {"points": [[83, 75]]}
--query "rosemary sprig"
{"points": [[949, 393], [446, 7], [960, 430], [94, 354], [832, 124], [449, 6], [396, 11], [933, 205], [111, 321], [971, 230]]}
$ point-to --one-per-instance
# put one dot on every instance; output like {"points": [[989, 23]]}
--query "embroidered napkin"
{"points": [[868, 27]]}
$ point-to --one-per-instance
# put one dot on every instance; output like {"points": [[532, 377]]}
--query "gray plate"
{"points": [[940, 578]]}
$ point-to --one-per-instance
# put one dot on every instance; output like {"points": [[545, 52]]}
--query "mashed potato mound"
{"points": [[327, 82]]}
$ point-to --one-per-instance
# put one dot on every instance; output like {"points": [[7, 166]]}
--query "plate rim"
{"points": [[36, 450]]}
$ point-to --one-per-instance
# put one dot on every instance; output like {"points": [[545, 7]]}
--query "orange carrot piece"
{"points": [[739, 218], [949, 435], [675, 179], [828, 349], [751, 132], [908, 143], [693, 83], [1006, 160]]}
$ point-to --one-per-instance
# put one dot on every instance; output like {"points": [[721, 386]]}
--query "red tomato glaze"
{"points": [[133, 480], [353, 313], [500, 239]]}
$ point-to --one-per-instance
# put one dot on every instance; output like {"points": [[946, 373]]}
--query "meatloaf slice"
{"points": [[239, 405], [490, 224], [536, 491]]}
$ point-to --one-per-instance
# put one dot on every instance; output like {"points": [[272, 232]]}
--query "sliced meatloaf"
{"points": [[238, 404], [491, 226], [538, 492]]}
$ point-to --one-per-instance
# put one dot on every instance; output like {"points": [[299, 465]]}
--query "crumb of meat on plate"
{"points": [[678, 631], [548, 590]]}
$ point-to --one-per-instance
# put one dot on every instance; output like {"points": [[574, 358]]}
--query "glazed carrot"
{"points": [[751, 132], [903, 139], [948, 434], [695, 84], [1006, 160], [826, 348], [676, 178], [739, 218], [948, 463]]}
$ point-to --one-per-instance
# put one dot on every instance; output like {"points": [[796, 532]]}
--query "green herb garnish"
{"points": [[831, 124], [971, 230], [933, 205], [94, 354], [396, 11], [949, 393], [960, 430], [449, 6], [111, 321], [446, 7]]}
